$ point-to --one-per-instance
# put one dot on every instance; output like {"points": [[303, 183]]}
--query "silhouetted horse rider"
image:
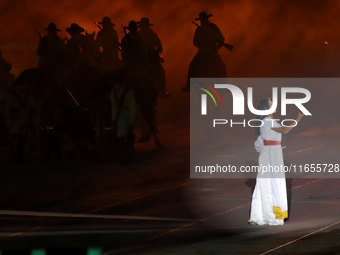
{"points": [[207, 62], [136, 61], [107, 39], [82, 48], [134, 51], [52, 51], [150, 38], [154, 45]]}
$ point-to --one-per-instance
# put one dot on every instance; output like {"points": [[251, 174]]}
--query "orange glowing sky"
{"points": [[272, 38]]}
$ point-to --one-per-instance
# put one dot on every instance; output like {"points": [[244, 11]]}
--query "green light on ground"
{"points": [[94, 251], [37, 252]]}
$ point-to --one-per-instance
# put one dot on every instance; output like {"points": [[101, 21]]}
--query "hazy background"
{"points": [[272, 38]]}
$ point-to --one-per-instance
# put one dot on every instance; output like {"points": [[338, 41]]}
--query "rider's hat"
{"points": [[75, 28], [144, 22], [132, 26], [106, 21], [52, 27], [203, 16]]}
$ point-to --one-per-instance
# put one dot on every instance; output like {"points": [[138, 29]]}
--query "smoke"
{"points": [[286, 38]]}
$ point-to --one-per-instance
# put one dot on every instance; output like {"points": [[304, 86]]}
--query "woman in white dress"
{"points": [[269, 201]]}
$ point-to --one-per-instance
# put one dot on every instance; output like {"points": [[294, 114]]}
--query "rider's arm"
{"points": [[198, 37], [41, 48]]}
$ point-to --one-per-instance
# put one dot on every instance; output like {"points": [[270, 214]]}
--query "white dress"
{"points": [[128, 115], [269, 201]]}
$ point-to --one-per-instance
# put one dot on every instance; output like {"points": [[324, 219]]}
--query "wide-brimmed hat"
{"points": [[203, 16], [106, 21], [52, 27], [144, 22], [75, 28], [132, 26]]}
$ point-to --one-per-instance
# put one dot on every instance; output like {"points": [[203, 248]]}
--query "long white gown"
{"points": [[269, 201], [128, 115]]}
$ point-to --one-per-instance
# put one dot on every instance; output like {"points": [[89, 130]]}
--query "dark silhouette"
{"points": [[136, 62], [134, 51], [207, 62], [150, 38], [64, 119], [20, 109], [64, 86], [82, 48], [107, 39], [52, 51], [155, 48]]}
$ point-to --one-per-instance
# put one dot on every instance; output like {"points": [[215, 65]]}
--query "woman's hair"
{"points": [[263, 104]]}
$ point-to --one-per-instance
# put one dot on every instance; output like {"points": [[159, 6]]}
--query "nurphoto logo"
{"points": [[238, 102], [238, 99]]}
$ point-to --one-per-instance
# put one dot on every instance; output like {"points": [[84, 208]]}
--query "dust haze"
{"points": [[283, 38]]}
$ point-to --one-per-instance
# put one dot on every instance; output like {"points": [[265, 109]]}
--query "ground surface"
{"points": [[153, 207]]}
